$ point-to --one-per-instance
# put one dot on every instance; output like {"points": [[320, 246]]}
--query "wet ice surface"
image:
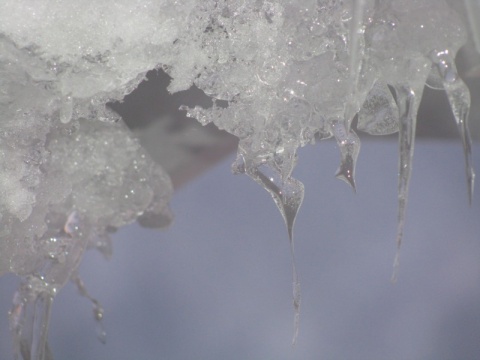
{"points": [[281, 75], [332, 60], [217, 285]]}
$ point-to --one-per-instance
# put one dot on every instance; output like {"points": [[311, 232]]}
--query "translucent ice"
{"points": [[444, 74], [287, 193], [379, 114], [286, 73], [311, 66], [70, 170]]}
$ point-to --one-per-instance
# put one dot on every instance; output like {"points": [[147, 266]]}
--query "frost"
{"points": [[288, 72]]}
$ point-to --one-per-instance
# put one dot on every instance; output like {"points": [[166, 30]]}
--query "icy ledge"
{"points": [[289, 72]]}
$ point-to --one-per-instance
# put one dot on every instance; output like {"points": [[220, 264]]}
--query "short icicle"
{"points": [[459, 97], [445, 76], [349, 145], [29, 320]]}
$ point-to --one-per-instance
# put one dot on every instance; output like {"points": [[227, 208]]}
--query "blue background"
{"points": [[217, 283]]}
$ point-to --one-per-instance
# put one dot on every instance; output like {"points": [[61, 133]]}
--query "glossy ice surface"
{"points": [[281, 74]]}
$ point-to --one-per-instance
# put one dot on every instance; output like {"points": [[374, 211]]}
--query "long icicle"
{"points": [[288, 199], [407, 106], [288, 196], [355, 50]]}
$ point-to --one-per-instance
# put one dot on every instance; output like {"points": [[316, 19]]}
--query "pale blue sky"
{"points": [[217, 284]]}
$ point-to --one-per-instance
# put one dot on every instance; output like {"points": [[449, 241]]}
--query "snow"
{"points": [[282, 74]]}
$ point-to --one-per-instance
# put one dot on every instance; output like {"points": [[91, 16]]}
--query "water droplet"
{"points": [[100, 330], [66, 110], [349, 145]]}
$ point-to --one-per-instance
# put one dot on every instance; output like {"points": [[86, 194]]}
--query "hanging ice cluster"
{"points": [[282, 74], [292, 72], [70, 171]]}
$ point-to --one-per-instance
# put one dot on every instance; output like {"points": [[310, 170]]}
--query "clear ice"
{"points": [[290, 73]]}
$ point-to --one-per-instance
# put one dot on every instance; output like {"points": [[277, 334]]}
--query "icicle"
{"points": [[288, 196], [30, 315], [407, 106], [473, 13], [29, 319], [296, 297], [356, 49], [459, 97], [349, 149], [97, 308], [379, 113]]}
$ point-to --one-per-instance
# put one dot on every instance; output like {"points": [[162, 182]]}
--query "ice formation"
{"points": [[282, 74]]}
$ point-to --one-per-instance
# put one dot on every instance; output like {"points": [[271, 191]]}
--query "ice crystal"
{"points": [[290, 73]]}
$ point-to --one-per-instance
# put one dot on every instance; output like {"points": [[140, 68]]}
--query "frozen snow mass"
{"points": [[282, 74]]}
